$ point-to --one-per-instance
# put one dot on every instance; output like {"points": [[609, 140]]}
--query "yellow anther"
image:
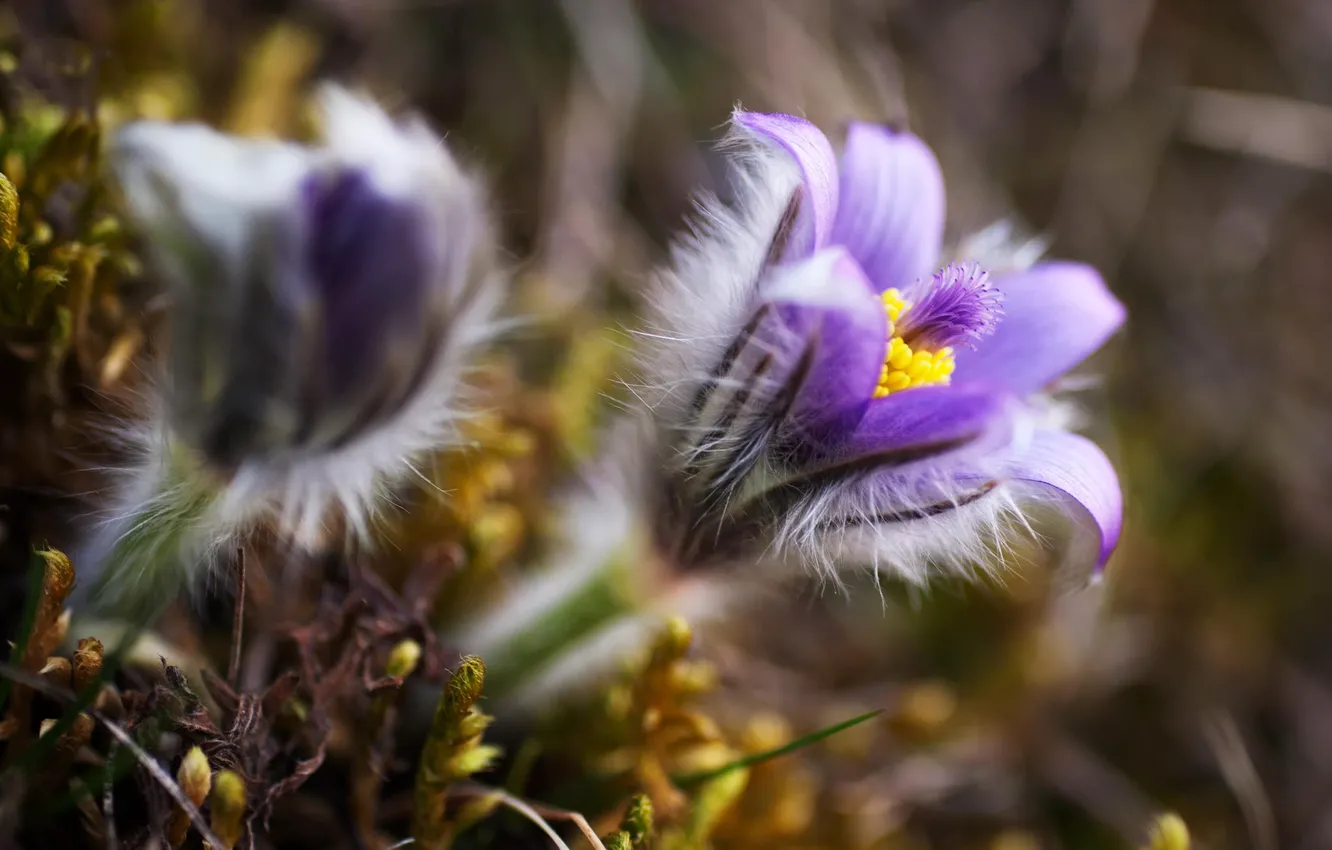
{"points": [[904, 367], [921, 368], [894, 305], [899, 354]]}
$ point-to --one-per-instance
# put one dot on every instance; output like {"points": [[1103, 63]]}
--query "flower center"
{"points": [[955, 306], [903, 366]]}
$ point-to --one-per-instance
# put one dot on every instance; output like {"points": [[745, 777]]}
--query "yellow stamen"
{"points": [[894, 304], [903, 367]]}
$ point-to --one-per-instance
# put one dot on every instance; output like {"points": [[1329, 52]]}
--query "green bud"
{"points": [[464, 686], [673, 641], [42, 233], [104, 229], [1169, 833], [227, 802], [475, 760], [403, 659], [18, 256], [473, 724], [637, 821]]}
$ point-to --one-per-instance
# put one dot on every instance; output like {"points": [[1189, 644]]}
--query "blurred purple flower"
{"points": [[323, 296], [325, 304]]}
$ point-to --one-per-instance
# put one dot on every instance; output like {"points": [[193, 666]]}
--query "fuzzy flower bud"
{"points": [[325, 303]]}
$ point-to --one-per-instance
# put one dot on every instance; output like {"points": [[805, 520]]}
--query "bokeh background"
{"points": [[1183, 147]]}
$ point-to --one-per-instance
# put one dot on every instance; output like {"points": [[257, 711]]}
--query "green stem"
{"points": [[152, 553], [604, 596]]}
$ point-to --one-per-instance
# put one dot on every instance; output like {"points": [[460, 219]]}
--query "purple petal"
{"points": [[890, 212], [1055, 315], [934, 420], [366, 259], [818, 165], [826, 301], [1077, 470]]}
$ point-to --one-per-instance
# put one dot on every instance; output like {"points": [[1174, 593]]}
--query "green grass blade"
{"points": [[690, 780]]}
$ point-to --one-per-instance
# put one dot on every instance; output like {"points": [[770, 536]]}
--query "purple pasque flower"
{"points": [[325, 298], [325, 303], [830, 392], [819, 390]]}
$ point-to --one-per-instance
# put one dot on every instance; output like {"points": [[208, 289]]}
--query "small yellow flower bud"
{"points": [[403, 659], [42, 234], [674, 639], [228, 804], [1169, 833], [195, 778]]}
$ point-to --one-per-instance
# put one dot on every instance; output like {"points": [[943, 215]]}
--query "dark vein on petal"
{"points": [[728, 359], [729, 414], [781, 238], [922, 512], [783, 496]]}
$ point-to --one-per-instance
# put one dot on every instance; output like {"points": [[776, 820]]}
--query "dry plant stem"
{"points": [[526, 810], [368, 776], [1080, 776], [237, 621], [589, 150], [109, 796], [93, 820], [1227, 743], [258, 657], [53, 773], [367, 773], [58, 671], [577, 819], [144, 758]]}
